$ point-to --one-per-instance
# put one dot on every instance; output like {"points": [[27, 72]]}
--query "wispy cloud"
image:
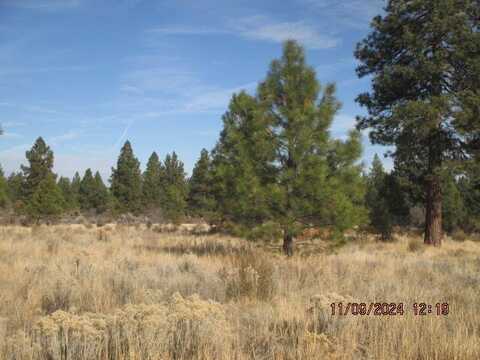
{"points": [[187, 30], [33, 108], [11, 135], [12, 124], [214, 100], [12, 71], [349, 13], [69, 135], [47, 5], [261, 28]]}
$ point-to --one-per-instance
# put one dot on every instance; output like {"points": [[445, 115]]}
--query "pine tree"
{"points": [[469, 187], [47, 200], [151, 182], [376, 202], [424, 56], [87, 191], [174, 188], [278, 143], [75, 190], [93, 193], [200, 198], [453, 210], [4, 198], [15, 183], [126, 181], [66, 189], [40, 159], [102, 195], [242, 164]]}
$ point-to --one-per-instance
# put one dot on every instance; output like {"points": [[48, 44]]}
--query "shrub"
{"points": [[414, 245], [459, 235], [249, 276]]}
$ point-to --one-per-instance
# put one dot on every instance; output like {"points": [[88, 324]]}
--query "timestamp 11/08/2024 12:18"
{"points": [[422, 308]]}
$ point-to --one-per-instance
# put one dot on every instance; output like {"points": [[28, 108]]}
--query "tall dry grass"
{"points": [[118, 292]]}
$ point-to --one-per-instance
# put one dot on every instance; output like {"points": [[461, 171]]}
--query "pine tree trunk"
{"points": [[287, 243], [433, 216]]}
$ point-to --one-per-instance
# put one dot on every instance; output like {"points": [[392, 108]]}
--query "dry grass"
{"points": [[118, 292]]}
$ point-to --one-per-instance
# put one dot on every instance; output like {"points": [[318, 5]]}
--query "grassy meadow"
{"points": [[132, 292]]}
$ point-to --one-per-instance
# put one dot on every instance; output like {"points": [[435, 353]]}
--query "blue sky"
{"points": [[89, 74]]}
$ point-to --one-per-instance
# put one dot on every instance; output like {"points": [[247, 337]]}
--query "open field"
{"points": [[118, 292]]}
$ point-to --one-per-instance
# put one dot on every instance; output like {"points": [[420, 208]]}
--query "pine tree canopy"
{"points": [[174, 188], [126, 180], [4, 198], [47, 200], [40, 159], [275, 158], [200, 200], [152, 190]]}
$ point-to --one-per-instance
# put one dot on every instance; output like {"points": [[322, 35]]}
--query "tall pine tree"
{"points": [[174, 188], [40, 158], [93, 193], [424, 56], [200, 199], [47, 201], [66, 189], [4, 198], [126, 181], [288, 167], [152, 189]]}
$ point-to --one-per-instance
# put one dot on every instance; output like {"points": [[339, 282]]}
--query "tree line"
{"points": [[275, 169]]}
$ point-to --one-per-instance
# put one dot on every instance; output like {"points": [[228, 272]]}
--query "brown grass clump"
{"points": [[126, 292]]}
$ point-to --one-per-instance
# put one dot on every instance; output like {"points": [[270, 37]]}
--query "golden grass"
{"points": [[118, 292]]}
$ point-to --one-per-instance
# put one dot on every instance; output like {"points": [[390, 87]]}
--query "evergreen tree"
{"points": [[377, 204], [40, 159], [102, 195], [87, 191], [469, 187], [200, 199], [174, 188], [66, 189], [4, 198], [151, 182], [453, 209], [242, 165], [126, 181], [47, 200], [15, 183], [278, 143], [424, 56], [75, 190], [93, 193]]}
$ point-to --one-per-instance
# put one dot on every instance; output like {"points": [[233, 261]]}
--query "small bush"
{"points": [[249, 276], [459, 235], [268, 231], [414, 245]]}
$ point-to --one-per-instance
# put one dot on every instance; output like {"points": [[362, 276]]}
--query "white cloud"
{"points": [[214, 100], [187, 30], [349, 13], [11, 135], [69, 135], [48, 5], [262, 28], [13, 71], [11, 158], [12, 124], [131, 89]]}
